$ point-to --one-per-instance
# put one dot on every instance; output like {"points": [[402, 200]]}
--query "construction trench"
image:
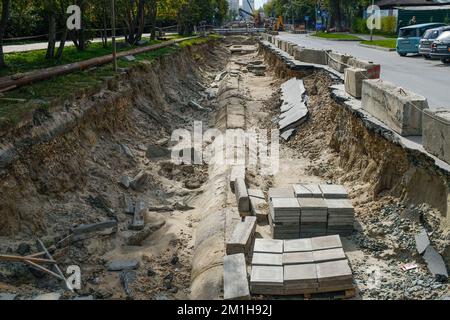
{"points": [[76, 176]]}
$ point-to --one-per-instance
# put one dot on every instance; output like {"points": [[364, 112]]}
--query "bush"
{"points": [[389, 25], [359, 25]]}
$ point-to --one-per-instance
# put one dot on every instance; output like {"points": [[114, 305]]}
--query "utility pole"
{"points": [[113, 23], [371, 29]]}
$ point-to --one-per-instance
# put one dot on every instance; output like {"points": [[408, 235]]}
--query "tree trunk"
{"points": [[153, 15], [51, 35], [141, 20], [336, 14], [3, 24], [62, 43], [105, 27]]}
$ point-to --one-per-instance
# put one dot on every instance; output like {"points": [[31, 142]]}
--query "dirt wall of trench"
{"points": [[42, 161]]}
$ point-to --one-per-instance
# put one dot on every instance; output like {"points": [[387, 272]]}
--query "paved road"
{"points": [[428, 78]]}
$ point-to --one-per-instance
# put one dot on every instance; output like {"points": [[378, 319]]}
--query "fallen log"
{"points": [[18, 80]]}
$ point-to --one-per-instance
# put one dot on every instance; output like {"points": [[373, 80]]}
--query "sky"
{"points": [[258, 3]]}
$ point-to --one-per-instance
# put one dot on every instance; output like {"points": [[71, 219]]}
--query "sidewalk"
{"points": [[367, 36]]}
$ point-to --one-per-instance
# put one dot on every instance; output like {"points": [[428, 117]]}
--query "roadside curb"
{"points": [[377, 47]]}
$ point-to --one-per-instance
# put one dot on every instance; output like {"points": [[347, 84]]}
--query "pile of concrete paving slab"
{"points": [[308, 210], [301, 266]]}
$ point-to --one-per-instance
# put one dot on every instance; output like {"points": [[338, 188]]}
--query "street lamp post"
{"points": [[113, 23], [371, 29]]}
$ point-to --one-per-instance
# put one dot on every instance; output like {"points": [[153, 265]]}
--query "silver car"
{"points": [[428, 38]]}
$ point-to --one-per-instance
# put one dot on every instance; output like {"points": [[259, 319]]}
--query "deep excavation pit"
{"points": [[71, 177]]}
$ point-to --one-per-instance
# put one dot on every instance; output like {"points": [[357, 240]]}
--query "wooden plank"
{"points": [[235, 280]]}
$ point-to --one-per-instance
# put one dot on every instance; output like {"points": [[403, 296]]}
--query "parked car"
{"points": [[409, 37], [440, 49], [428, 38]]}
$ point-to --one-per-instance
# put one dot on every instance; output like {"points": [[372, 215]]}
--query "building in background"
{"points": [[233, 6], [248, 7]]}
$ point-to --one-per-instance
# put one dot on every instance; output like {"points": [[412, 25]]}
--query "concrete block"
{"points": [[138, 217], [338, 61], [87, 231], [399, 109], [236, 172], [235, 282], [373, 70], [120, 265], [298, 245], [315, 56], [267, 259], [353, 81], [242, 198], [436, 133], [241, 240], [297, 257], [334, 271], [268, 246], [328, 242]]}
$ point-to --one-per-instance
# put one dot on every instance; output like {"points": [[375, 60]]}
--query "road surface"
{"points": [[429, 78]]}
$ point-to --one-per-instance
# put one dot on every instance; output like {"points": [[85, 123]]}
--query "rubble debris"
{"points": [[24, 249], [100, 202], [422, 242], [7, 296], [138, 218], [48, 296], [235, 283], [127, 277], [140, 181], [157, 152], [136, 238], [125, 181], [242, 199], [436, 264], [87, 231], [128, 204], [241, 240], [409, 266], [288, 134], [127, 151], [120, 265], [195, 105]]}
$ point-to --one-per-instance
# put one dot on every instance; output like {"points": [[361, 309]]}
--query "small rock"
{"points": [[120, 265], [48, 296], [125, 181], [7, 296], [151, 273], [128, 58], [174, 260], [156, 152], [139, 182]]}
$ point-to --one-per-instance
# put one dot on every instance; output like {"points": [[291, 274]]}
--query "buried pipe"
{"points": [[18, 80]]}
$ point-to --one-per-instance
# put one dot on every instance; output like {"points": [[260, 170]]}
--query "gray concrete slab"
{"points": [[297, 258], [300, 273], [297, 245], [268, 246], [235, 282], [328, 255], [285, 192], [332, 271], [267, 259], [327, 242], [436, 264], [267, 275], [307, 191], [422, 241], [333, 191]]}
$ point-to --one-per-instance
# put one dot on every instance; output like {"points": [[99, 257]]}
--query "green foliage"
{"points": [[389, 25], [336, 36], [386, 43], [359, 25]]}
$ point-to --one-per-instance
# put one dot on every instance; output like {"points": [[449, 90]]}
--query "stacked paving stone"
{"points": [[313, 220], [301, 266], [341, 216], [310, 210]]}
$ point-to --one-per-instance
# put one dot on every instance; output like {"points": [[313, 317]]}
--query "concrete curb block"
{"points": [[376, 47]]}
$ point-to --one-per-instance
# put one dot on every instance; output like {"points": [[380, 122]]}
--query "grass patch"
{"points": [[15, 104], [336, 36], [31, 60], [386, 43]]}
